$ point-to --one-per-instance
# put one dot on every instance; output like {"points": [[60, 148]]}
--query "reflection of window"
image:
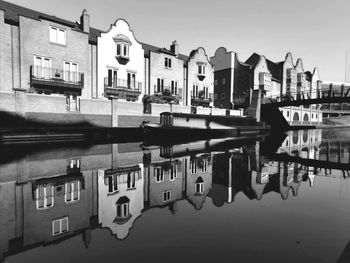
{"points": [[174, 87], [223, 81], [112, 183], [44, 196], [173, 173], [166, 196], [123, 207], [131, 181], [195, 91], [72, 191], [60, 226], [199, 188], [57, 35], [193, 167], [159, 175], [72, 102], [203, 166]]}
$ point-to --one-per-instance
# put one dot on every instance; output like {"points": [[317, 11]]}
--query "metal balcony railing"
{"points": [[123, 84], [176, 92], [55, 77]]}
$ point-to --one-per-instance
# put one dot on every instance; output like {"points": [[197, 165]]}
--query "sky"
{"points": [[318, 31]]}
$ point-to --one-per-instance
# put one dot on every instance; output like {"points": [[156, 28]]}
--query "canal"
{"points": [[267, 199]]}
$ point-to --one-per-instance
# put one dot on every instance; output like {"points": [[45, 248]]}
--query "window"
{"points": [[193, 167], [173, 173], [223, 81], [201, 69], [42, 67], [122, 49], [195, 91], [70, 72], [60, 226], [167, 63], [112, 78], [72, 102], [174, 87], [57, 35], [122, 207], [72, 192], [287, 113], [159, 175], [166, 196], [160, 85], [216, 82], [44, 196], [206, 92], [131, 181], [112, 183], [215, 96], [122, 210], [203, 166], [223, 96], [199, 187], [131, 82]]}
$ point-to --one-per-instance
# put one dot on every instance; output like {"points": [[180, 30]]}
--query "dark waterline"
{"points": [[269, 199]]}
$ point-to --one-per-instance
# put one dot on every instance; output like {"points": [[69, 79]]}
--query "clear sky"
{"points": [[318, 31]]}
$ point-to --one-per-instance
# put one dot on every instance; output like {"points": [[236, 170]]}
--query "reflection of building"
{"points": [[120, 193], [198, 179]]}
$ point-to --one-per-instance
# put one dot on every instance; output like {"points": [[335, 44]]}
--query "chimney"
{"points": [[174, 48], [85, 22]]}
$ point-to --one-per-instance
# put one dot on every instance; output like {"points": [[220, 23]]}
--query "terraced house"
{"points": [[165, 70]]}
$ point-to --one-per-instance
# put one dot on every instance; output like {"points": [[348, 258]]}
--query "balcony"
{"points": [[56, 79], [175, 92], [122, 89], [202, 100]]}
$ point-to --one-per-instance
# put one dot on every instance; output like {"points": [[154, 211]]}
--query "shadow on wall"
{"points": [[10, 120]]}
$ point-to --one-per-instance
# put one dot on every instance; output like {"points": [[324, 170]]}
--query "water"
{"points": [[266, 199]]}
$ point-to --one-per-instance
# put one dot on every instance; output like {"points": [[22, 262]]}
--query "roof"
{"points": [[12, 13], [149, 48], [273, 67]]}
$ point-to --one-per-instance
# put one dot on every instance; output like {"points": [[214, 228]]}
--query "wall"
{"points": [[35, 40]]}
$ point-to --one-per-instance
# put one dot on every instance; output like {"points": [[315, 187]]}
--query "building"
{"points": [[200, 79], [165, 70], [120, 63]]}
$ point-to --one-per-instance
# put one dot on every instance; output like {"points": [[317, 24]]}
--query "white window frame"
{"points": [[132, 177], [201, 69], [161, 174], [70, 195], [168, 63], [124, 210], [54, 35], [75, 78], [45, 73], [60, 226], [46, 197], [124, 49], [200, 186], [166, 196]]}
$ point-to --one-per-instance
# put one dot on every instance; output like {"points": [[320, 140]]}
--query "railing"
{"points": [[42, 75], [177, 92], [122, 84]]}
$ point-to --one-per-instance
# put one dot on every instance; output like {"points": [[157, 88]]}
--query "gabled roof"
{"points": [[273, 67], [149, 48]]}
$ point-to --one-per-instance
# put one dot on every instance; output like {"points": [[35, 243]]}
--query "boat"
{"points": [[176, 126]]}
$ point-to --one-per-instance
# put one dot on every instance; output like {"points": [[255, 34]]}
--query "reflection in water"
{"points": [[51, 196]]}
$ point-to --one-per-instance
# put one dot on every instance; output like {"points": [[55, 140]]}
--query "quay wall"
{"points": [[22, 109]]}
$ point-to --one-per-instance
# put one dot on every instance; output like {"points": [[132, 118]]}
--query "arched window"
{"points": [[295, 137], [199, 186], [123, 207], [306, 117], [296, 116]]}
